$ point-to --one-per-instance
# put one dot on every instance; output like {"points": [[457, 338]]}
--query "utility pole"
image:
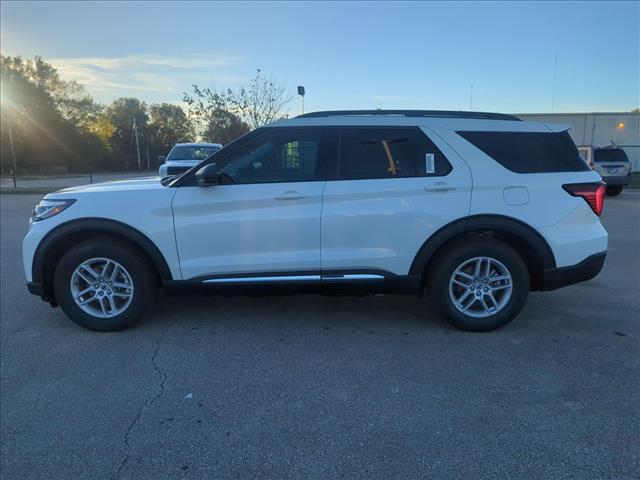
{"points": [[148, 164], [13, 155], [135, 131]]}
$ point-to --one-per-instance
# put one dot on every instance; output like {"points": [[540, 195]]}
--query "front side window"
{"points": [[279, 155], [371, 153]]}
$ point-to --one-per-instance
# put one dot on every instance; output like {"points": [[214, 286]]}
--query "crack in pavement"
{"points": [[147, 404]]}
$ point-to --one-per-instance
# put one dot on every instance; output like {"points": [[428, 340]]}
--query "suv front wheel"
{"points": [[479, 284], [103, 284]]}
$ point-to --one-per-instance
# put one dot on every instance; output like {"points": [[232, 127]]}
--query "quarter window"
{"points": [[369, 153], [530, 152]]}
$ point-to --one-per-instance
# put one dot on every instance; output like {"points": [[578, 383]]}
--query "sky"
{"points": [[348, 55]]}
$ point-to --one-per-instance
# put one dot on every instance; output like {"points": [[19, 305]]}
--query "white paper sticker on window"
{"points": [[430, 163]]}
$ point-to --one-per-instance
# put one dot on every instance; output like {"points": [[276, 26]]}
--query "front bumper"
{"points": [[554, 278]]}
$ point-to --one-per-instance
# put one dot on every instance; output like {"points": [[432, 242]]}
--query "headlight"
{"points": [[50, 208]]}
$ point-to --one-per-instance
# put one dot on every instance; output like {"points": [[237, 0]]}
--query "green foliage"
{"points": [[121, 113], [168, 124], [223, 127], [39, 108]]}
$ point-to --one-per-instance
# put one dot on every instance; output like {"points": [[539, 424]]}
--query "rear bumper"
{"points": [[617, 180], [580, 272]]}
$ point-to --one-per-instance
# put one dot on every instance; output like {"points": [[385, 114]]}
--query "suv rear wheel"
{"points": [[479, 284], [103, 285]]}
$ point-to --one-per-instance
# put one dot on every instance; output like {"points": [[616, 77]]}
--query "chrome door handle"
{"points": [[290, 195], [439, 187]]}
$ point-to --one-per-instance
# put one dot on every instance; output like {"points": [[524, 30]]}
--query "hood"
{"points": [[144, 183]]}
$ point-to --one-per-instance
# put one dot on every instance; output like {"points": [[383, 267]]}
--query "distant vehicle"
{"points": [[476, 209], [612, 163], [184, 156]]}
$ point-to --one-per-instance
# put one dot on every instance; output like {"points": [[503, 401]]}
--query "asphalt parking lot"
{"points": [[322, 387]]}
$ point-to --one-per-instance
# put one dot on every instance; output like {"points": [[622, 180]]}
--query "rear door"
{"points": [[393, 187]]}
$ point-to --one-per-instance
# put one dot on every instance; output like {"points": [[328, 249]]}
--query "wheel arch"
{"points": [[63, 237], [529, 244]]}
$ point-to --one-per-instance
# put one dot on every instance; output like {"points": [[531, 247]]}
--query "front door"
{"points": [[265, 217]]}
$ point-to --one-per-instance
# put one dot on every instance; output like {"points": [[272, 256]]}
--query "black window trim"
{"points": [[386, 127]]}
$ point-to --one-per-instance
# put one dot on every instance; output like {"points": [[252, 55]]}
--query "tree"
{"points": [[67, 97], [224, 127], [168, 125], [102, 128], [251, 105], [260, 102], [33, 97], [120, 113]]}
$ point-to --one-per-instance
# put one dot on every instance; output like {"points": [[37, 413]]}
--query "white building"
{"points": [[599, 129]]}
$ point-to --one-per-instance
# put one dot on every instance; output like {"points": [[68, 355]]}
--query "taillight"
{"points": [[593, 194]]}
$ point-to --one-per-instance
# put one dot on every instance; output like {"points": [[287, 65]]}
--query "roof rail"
{"points": [[412, 113]]}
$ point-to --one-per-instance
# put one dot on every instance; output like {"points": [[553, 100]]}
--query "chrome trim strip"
{"points": [[284, 278], [355, 276]]}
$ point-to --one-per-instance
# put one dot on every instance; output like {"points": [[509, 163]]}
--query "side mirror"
{"points": [[208, 175], [162, 158]]}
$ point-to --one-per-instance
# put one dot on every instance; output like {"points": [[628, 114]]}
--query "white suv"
{"points": [[476, 208]]}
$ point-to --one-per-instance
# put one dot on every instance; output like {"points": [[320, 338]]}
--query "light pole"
{"points": [[135, 131], [301, 93]]}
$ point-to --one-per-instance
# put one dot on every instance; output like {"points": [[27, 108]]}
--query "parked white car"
{"points": [[476, 208], [184, 156]]}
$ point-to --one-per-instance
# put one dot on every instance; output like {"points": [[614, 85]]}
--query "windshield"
{"points": [[610, 155], [191, 152]]}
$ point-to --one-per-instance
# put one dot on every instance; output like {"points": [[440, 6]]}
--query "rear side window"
{"points": [[369, 153], [610, 155], [529, 152]]}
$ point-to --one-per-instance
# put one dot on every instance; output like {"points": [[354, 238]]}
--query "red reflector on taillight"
{"points": [[593, 194]]}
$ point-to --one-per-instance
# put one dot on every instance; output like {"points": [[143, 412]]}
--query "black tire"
{"points": [[138, 268], [614, 190], [456, 254]]}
